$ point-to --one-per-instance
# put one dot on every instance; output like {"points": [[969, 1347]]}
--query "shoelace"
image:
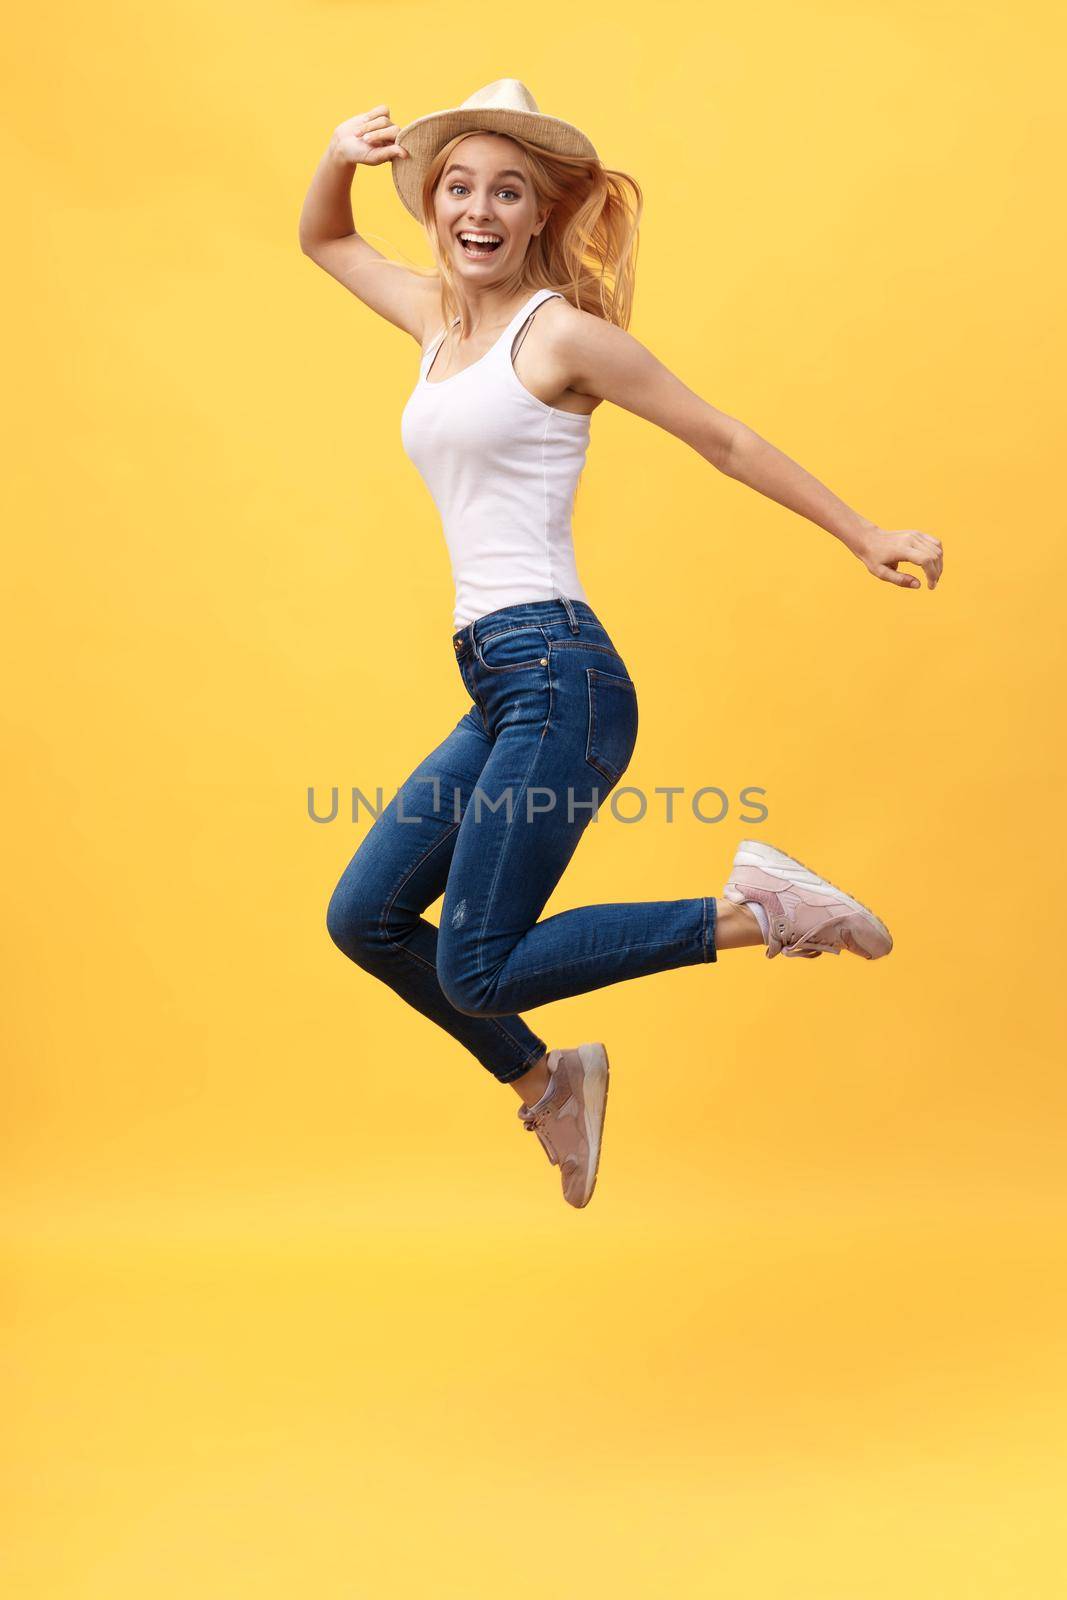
{"points": [[810, 944], [534, 1122]]}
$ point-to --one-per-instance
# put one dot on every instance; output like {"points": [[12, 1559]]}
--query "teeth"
{"points": [[481, 238]]}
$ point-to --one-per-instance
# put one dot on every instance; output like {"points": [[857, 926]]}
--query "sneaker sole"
{"points": [[595, 1072], [755, 853]]}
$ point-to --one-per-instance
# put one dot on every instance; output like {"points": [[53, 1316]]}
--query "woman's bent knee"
{"points": [[471, 1001], [352, 922], [466, 990]]}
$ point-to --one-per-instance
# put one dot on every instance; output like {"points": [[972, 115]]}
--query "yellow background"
{"points": [[294, 1306]]}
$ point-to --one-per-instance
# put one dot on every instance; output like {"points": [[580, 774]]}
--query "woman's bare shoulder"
{"points": [[567, 322]]}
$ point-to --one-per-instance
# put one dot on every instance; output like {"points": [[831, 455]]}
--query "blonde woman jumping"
{"points": [[521, 327]]}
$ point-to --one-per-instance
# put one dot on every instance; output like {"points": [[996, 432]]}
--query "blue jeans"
{"points": [[490, 818]]}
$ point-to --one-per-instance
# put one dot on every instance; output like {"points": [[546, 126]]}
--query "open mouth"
{"points": [[478, 246]]}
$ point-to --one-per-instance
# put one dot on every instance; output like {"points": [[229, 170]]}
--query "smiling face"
{"points": [[484, 191]]}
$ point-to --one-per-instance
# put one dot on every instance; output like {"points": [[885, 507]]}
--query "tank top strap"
{"points": [[433, 347], [507, 338], [502, 345]]}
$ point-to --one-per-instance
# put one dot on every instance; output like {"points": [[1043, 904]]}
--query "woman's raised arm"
{"points": [[328, 231]]}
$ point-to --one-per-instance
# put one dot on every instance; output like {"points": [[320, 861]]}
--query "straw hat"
{"points": [[505, 106]]}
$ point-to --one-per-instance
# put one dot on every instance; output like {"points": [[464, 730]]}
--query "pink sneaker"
{"points": [[569, 1117], [807, 916]]}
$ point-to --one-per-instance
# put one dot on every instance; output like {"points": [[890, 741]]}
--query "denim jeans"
{"points": [[490, 819]]}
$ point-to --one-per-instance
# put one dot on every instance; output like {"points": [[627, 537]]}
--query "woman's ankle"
{"points": [[735, 926], [533, 1083]]}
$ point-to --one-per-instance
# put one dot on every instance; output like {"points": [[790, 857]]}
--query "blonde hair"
{"points": [[587, 250]]}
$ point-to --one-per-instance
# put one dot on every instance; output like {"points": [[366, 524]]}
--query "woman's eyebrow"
{"points": [[508, 172]]}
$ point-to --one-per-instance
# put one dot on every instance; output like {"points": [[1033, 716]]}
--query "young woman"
{"points": [[522, 329]]}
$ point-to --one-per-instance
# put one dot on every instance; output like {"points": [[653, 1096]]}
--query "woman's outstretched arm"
{"points": [[596, 358]]}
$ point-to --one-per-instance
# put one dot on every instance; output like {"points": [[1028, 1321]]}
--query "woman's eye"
{"points": [[454, 186]]}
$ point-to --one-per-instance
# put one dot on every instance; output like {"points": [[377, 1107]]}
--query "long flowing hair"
{"points": [[586, 251]]}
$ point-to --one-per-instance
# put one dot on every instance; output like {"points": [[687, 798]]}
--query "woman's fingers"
{"points": [[936, 558], [907, 544], [369, 137], [358, 126], [931, 559], [383, 141], [890, 575]]}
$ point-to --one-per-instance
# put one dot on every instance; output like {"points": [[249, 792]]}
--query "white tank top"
{"points": [[502, 468]]}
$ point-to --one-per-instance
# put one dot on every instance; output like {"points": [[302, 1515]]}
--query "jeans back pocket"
{"points": [[612, 722]]}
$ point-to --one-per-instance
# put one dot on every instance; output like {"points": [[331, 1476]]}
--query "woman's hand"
{"points": [[883, 548], [368, 139]]}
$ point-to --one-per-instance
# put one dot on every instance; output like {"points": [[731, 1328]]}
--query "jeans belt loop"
{"points": [[571, 618]]}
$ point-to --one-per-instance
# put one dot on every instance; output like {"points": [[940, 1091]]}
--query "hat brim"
{"points": [[425, 136]]}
